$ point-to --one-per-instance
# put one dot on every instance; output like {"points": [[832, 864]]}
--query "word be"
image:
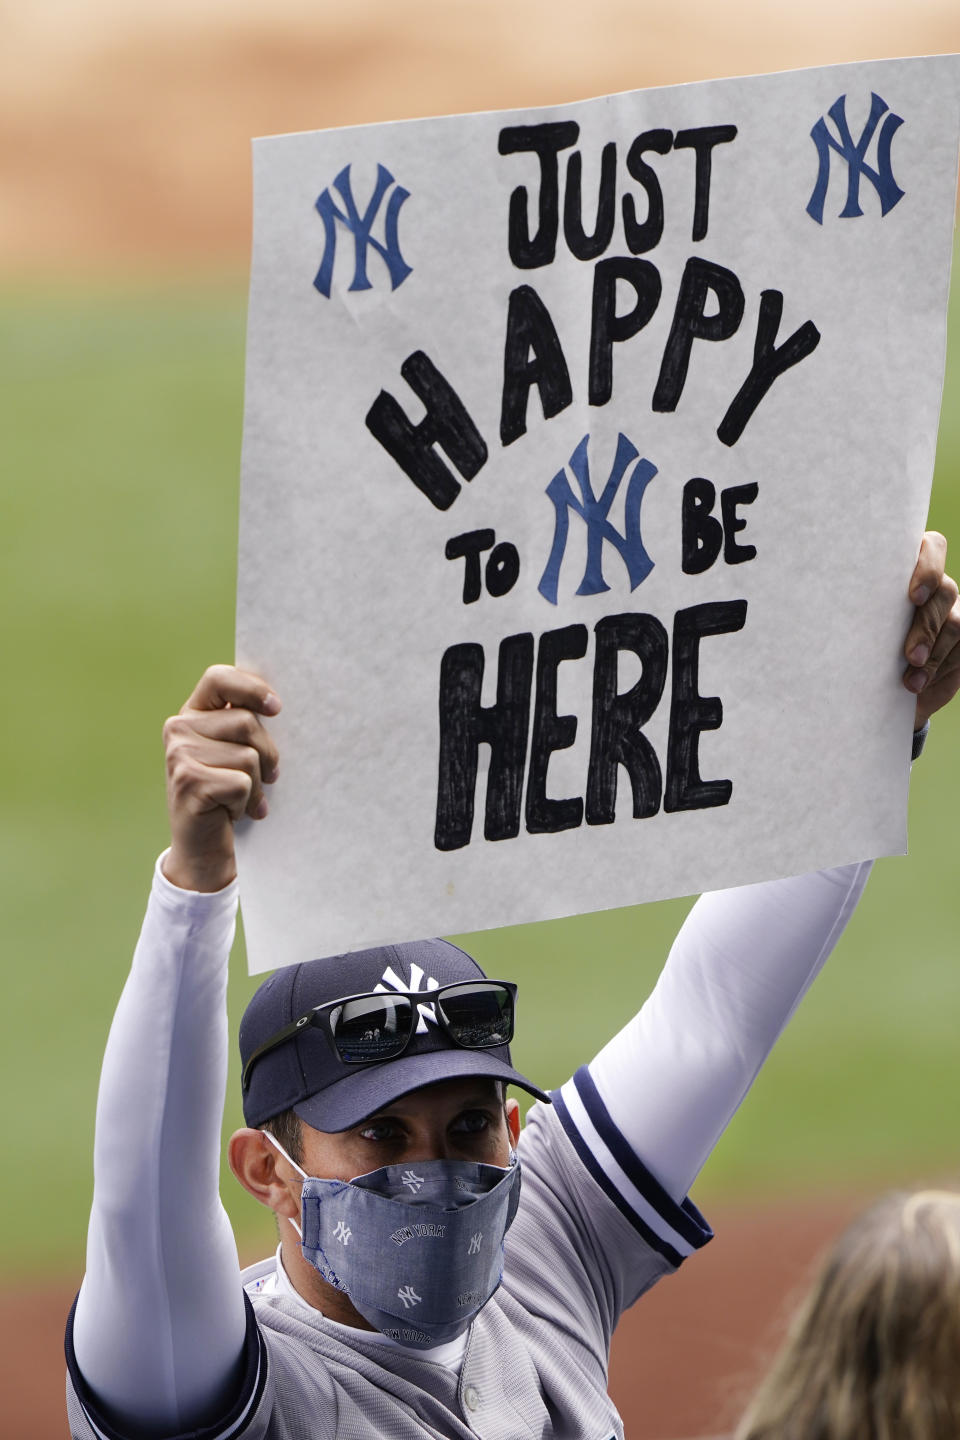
{"points": [[703, 535], [617, 722]]}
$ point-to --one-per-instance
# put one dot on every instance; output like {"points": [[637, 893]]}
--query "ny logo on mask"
{"points": [[409, 1296]]}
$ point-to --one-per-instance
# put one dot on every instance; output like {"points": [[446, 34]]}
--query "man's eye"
{"points": [[380, 1130], [472, 1122]]}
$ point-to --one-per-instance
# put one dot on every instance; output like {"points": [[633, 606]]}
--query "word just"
{"points": [[709, 307]]}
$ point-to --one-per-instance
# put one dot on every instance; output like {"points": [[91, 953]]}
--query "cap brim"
{"points": [[372, 1087]]}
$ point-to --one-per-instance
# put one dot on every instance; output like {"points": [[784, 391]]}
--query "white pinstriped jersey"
{"points": [[593, 1231]]}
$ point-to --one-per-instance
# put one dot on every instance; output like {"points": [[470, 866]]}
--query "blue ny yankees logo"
{"points": [[594, 513], [854, 152], [360, 226]]}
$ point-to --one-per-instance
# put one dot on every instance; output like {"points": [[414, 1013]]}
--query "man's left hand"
{"points": [[932, 647]]}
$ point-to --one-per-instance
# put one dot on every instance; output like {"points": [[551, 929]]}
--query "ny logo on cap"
{"points": [[390, 980], [409, 1296]]}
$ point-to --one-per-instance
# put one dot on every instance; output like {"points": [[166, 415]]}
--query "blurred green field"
{"points": [[121, 426]]}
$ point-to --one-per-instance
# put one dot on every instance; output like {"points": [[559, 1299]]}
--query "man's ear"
{"points": [[512, 1112], [262, 1170]]}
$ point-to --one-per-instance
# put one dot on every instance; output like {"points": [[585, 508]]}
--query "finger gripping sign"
{"points": [[586, 455]]}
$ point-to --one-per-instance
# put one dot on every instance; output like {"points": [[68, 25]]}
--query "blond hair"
{"points": [[873, 1353]]}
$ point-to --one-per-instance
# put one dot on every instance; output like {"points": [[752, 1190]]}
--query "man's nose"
{"points": [[429, 1145]]}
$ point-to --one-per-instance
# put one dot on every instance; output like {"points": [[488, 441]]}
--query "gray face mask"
{"points": [[417, 1248]]}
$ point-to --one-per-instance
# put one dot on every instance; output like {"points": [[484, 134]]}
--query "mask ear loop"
{"points": [[290, 1161]]}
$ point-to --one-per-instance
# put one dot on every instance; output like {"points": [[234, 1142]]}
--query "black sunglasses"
{"points": [[365, 1029]]}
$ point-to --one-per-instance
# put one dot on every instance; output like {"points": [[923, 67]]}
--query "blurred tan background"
{"points": [[125, 130], [125, 127]]}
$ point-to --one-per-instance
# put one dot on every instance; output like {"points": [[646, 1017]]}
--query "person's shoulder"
{"points": [[577, 1151]]}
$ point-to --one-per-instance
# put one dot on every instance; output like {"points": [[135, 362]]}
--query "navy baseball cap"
{"points": [[305, 1074]]}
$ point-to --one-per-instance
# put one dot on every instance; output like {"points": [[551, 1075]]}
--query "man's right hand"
{"points": [[219, 757]]}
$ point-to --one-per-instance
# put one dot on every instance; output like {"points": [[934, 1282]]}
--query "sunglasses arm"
{"points": [[271, 1044]]}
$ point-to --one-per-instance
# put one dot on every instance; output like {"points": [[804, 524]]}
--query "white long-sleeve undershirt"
{"points": [[160, 1322], [676, 1073], [160, 1319]]}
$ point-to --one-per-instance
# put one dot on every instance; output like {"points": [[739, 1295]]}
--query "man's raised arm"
{"points": [[160, 1337], [668, 1084]]}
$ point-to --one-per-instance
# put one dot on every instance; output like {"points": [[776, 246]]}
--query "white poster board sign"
{"points": [[586, 456]]}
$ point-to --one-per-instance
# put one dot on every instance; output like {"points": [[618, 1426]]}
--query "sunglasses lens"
{"points": [[478, 1015], [375, 1027]]}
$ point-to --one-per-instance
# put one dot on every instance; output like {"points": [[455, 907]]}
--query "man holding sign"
{"points": [[380, 1137]]}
